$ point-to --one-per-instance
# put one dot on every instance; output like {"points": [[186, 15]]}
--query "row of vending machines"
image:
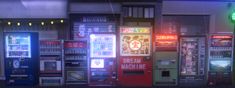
{"points": [[127, 57], [193, 60]]}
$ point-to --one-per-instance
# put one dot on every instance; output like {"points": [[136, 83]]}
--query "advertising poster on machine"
{"points": [[220, 59], [135, 61], [21, 58], [102, 62], [103, 45], [192, 60]]}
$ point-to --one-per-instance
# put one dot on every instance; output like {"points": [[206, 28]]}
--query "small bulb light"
{"points": [[18, 24], [61, 21], [9, 23], [42, 23], [52, 22], [30, 24]]}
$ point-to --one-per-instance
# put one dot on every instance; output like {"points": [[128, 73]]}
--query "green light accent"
{"points": [[233, 16]]}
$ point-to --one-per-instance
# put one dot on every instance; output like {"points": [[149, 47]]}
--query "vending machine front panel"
{"points": [[192, 61], [165, 60], [21, 58], [220, 59], [102, 59], [135, 62], [75, 53], [51, 68]]}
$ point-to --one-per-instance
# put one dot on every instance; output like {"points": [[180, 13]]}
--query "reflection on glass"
{"points": [[220, 65]]}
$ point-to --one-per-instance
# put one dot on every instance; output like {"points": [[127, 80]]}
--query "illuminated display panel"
{"points": [[134, 30], [18, 46], [166, 42], [97, 63], [103, 45], [135, 41], [221, 41], [166, 37], [220, 65], [222, 36], [81, 30]]}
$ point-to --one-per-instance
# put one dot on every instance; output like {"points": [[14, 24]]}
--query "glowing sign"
{"points": [[221, 36], [166, 37], [166, 42], [135, 30], [102, 45], [18, 46], [135, 45], [97, 63], [221, 40]]}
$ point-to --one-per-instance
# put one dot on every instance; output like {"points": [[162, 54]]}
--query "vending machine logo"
{"points": [[133, 64], [97, 63], [16, 63], [135, 45]]}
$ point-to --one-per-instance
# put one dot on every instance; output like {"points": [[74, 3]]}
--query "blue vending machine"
{"points": [[21, 58]]}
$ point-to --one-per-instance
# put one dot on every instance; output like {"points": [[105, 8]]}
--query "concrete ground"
{"points": [[2, 85]]}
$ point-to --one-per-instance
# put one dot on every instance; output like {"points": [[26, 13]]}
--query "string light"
{"points": [[18, 24], [61, 21], [42, 23], [52, 22], [30, 24], [9, 23]]}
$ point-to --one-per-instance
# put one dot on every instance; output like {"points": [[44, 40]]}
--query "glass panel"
{"points": [[146, 13], [18, 45], [151, 13], [140, 12], [130, 12], [135, 12], [102, 45]]}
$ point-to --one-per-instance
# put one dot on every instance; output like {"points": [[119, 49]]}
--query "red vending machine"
{"points": [[51, 58], [220, 59], [135, 63]]}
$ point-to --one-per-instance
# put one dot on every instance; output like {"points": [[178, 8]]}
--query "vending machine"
{"points": [[100, 32], [21, 58], [75, 62], [135, 63], [102, 60], [192, 68], [220, 59], [51, 58], [165, 62]]}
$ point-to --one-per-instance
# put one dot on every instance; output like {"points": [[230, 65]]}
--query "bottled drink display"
{"points": [[220, 59], [75, 53], [51, 59]]}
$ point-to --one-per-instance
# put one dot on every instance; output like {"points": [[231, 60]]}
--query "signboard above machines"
{"points": [[81, 30]]}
